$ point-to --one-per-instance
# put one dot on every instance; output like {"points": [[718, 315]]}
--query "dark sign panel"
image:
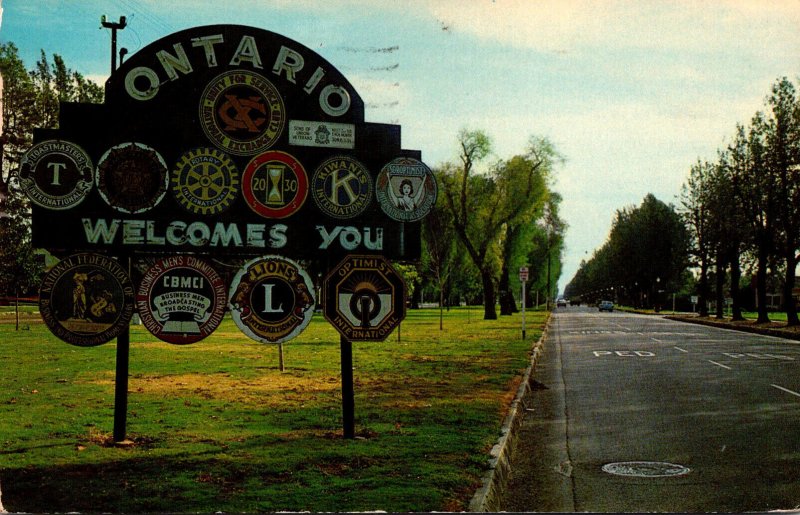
{"points": [[181, 299], [241, 125], [86, 299], [364, 298], [272, 299]]}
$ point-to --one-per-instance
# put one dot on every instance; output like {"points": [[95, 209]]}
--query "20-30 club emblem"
{"points": [[271, 299], [275, 184], [181, 299]]}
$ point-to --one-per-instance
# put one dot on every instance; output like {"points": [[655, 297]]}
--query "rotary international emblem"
{"points": [[406, 189], [341, 187], [132, 177], [56, 174], [272, 299], [275, 184], [181, 299], [86, 299], [242, 112], [205, 181]]}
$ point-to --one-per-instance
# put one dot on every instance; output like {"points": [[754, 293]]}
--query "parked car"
{"points": [[606, 305], [561, 303]]}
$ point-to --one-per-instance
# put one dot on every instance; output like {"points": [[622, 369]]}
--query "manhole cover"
{"points": [[645, 469]]}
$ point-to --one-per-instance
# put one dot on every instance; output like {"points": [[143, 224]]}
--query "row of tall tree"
{"points": [[491, 217], [644, 256], [743, 210]]}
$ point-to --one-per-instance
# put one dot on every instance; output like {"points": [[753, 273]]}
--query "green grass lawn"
{"points": [[217, 427]]}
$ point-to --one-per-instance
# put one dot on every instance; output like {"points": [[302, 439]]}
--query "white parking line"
{"points": [[786, 390], [720, 365], [682, 350]]}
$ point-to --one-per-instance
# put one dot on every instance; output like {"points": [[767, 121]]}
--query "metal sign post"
{"points": [[523, 278], [348, 392]]}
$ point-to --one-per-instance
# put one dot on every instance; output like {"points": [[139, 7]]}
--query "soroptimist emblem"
{"points": [[205, 181], [132, 177], [271, 299], [406, 189], [242, 112], [342, 187], [181, 299], [86, 299], [56, 174], [275, 184]]}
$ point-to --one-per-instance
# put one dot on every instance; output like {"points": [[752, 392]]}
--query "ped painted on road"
{"points": [[624, 353]]}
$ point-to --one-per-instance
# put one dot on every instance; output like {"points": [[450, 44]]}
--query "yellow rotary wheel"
{"points": [[205, 181]]}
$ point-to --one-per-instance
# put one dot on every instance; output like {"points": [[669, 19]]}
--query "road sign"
{"points": [[272, 299], [181, 299], [364, 298], [523, 273]]}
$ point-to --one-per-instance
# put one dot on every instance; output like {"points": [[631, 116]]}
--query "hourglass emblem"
{"points": [[275, 192]]}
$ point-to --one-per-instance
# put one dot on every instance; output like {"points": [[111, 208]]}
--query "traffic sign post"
{"points": [[523, 278]]}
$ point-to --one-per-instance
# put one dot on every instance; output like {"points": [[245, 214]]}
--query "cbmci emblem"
{"points": [[272, 299]]}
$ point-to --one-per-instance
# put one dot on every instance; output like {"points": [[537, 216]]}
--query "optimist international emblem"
{"points": [[242, 112], [56, 174], [132, 177], [181, 299], [271, 299], [205, 181], [86, 299], [275, 184], [341, 187], [406, 189]]}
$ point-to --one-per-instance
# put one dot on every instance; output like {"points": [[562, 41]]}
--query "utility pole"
{"points": [[114, 27]]}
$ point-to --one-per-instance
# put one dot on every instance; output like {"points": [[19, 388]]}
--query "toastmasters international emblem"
{"points": [[181, 299], [56, 174], [86, 299], [205, 181], [271, 299], [132, 177], [341, 187], [242, 112], [275, 184]]}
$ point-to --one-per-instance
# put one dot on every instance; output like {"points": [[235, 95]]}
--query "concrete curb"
{"points": [[495, 481], [744, 328]]}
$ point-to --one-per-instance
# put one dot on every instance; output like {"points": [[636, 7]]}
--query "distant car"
{"points": [[561, 303], [606, 305], [575, 302]]}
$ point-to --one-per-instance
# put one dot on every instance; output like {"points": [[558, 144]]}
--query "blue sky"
{"points": [[630, 92]]}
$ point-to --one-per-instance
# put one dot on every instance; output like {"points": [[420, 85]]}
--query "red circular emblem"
{"points": [[275, 184], [181, 299]]}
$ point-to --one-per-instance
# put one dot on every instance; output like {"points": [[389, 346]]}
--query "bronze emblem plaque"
{"points": [[56, 174], [406, 189], [181, 299], [242, 112], [342, 187], [272, 299], [205, 181], [86, 299], [132, 177]]}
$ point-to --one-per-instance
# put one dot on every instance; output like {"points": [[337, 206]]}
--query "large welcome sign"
{"points": [[224, 140]]}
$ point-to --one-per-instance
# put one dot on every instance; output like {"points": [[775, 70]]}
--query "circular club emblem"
{"points": [[181, 299], [56, 174], [341, 187], [406, 189], [86, 299], [132, 177], [242, 112], [275, 184], [205, 181], [272, 299]]}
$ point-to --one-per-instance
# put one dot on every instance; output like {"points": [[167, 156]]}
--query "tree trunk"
{"points": [[489, 311], [736, 275], [788, 285], [507, 304], [703, 288], [761, 291], [719, 293]]}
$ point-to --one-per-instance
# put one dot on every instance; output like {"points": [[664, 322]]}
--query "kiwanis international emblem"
{"points": [[272, 299], [242, 112], [342, 187], [205, 181]]}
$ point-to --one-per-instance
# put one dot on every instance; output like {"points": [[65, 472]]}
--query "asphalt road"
{"points": [[716, 411]]}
